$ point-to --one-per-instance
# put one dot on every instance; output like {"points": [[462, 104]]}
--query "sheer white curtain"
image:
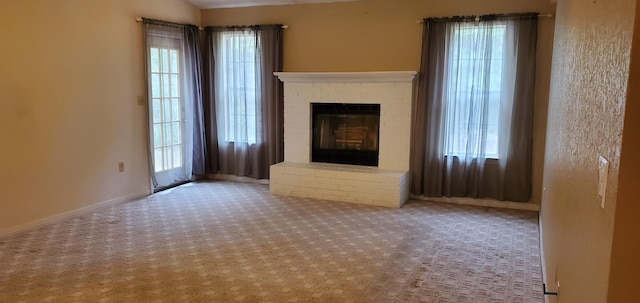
{"points": [[244, 103], [472, 86], [474, 117], [473, 81], [238, 99], [238, 88]]}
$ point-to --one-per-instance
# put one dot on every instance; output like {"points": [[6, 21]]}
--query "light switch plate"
{"points": [[603, 174]]}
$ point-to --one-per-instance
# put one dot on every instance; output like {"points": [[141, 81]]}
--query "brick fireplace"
{"points": [[387, 184]]}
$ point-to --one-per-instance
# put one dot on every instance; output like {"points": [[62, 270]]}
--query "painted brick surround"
{"points": [[386, 184]]}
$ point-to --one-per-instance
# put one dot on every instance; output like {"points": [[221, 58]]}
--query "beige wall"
{"points": [[625, 251], [382, 35], [370, 35], [586, 107], [71, 71]]}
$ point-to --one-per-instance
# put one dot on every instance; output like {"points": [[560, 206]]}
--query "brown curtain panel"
{"points": [[472, 133], [193, 54], [209, 106], [244, 100], [272, 94]]}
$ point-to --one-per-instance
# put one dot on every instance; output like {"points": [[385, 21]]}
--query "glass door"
{"points": [[167, 114]]}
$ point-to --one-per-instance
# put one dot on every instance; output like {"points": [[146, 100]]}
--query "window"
{"points": [[476, 102], [473, 91], [167, 108], [239, 78]]}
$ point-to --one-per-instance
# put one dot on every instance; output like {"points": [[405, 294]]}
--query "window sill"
{"points": [[455, 157]]}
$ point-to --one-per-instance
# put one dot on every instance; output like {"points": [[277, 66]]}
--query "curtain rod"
{"points": [[139, 19], [547, 15]]}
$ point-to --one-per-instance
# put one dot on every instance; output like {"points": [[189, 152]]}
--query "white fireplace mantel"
{"points": [[347, 77]]}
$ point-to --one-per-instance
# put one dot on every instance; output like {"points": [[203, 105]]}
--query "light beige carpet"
{"points": [[235, 242]]}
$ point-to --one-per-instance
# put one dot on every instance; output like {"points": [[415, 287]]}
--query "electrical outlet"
{"points": [[603, 174], [121, 166]]}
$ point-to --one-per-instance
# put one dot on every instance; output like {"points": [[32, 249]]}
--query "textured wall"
{"points": [[382, 35], [586, 106], [71, 74]]}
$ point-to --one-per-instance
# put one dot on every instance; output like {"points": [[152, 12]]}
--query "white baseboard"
{"points": [[543, 264], [482, 202], [226, 177], [72, 213], [542, 261]]}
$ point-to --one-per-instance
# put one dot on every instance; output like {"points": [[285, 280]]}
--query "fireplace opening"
{"points": [[345, 133]]}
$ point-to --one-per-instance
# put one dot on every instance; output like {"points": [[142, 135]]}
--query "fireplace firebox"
{"points": [[345, 133]]}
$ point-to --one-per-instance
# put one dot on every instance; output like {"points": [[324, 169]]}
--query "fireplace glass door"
{"points": [[345, 133]]}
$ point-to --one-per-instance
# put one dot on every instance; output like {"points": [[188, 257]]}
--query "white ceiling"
{"points": [[245, 3]]}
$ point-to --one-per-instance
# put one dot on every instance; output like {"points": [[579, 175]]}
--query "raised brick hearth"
{"points": [[386, 184]]}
